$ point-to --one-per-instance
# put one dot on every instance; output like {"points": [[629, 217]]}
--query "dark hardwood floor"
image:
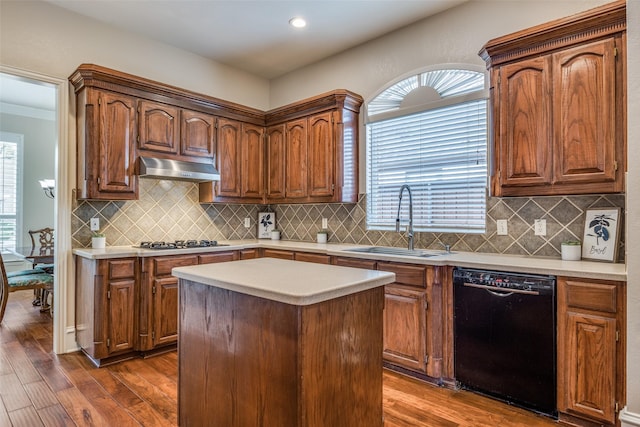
{"points": [[39, 388]]}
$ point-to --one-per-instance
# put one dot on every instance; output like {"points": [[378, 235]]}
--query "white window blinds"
{"points": [[441, 153], [9, 194]]}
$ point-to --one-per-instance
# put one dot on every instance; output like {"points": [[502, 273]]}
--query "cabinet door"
{"points": [[405, 337], [584, 113], [591, 368], [229, 160], [121, 315], [296, 160], [525, 136], [159, 127], [321, 146], [252, 153], [276, 162], [197, 134], [165, 300], [116, 139]]}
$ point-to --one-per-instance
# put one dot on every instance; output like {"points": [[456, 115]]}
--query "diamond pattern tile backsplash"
{"points": [[169, 210]]}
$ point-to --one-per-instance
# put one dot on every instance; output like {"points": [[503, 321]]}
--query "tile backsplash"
{"points": [[169, 210]]}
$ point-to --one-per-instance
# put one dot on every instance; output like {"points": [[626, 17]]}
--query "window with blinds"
{"points": [[10, 163], [438, 147]]}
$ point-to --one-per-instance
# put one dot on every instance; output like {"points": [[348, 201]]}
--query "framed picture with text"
{"points": [[601, 234], [266, 224]]}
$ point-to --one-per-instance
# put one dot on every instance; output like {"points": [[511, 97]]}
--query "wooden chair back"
{"points": [[45, 237]]}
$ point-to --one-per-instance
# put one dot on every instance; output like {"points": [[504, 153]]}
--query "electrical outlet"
{"points": [[247, 222], [502, 227], [325, 223], [540, 227], [95, 224]]}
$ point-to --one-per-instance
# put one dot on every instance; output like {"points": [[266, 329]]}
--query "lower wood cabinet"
{"points": [[106, 306], [158, 325], [591, 359]]}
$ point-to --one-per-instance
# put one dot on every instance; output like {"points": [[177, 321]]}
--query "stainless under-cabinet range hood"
{"points": [[177, 170]]}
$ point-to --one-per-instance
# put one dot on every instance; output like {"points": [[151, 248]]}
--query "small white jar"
{"points": [[571, 251], [275, 235], [321, 237], [98, 242]]}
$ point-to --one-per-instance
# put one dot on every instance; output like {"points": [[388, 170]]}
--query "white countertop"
{"points": [[290, 282], [500, 262]]}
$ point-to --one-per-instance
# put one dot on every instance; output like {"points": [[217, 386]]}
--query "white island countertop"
{"points": [[290, 282]]}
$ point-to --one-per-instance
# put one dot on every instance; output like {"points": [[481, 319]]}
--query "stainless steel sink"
{"points": [[396, 251]]}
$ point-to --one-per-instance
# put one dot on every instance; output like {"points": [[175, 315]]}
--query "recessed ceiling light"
{"points": [[297, 22]]}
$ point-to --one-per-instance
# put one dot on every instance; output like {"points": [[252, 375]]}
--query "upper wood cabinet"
{"points": [[305, 152], [312, 150], [106, 129], [240, 162], [557, 94], [175, 132]]}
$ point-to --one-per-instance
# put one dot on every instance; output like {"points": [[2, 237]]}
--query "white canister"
{"points": [[275, 235], [321, 237], [98, 242], [571, 251]]}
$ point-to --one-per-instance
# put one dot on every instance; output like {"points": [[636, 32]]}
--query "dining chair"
{"points": [[21, 280], [45, 240]]}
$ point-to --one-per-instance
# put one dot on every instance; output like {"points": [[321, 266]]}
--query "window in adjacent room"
{"points": [[429, 131], [10, 190]]}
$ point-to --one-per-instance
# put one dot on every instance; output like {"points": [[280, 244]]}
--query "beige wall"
{"points": [[46, 39]]}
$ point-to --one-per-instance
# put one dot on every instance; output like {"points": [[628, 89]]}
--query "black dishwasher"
{"points": [[505, 337]]}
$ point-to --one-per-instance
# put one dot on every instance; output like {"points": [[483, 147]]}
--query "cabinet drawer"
{"points": [[317, 258], [217, 257], [591, 296], [276, 253], [162, 265], [248, 253], [406, 274], [355, 263], [122, 269]]}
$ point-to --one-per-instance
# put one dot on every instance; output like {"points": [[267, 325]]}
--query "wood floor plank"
{"points": [[50, 371], [147, 416], [12, 393], [40, 394], [4, 416], [55, 416], [79, 409], [160, 402], [21, 363], [25, 417]]}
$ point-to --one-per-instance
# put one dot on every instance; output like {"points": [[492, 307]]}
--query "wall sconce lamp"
{"points": [[47, 186]]}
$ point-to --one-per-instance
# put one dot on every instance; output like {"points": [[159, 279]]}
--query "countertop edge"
{"points": [[487, 261], [331, 288]]}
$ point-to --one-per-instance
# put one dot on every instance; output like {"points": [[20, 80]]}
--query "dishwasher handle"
{"points": [[502, 292]]}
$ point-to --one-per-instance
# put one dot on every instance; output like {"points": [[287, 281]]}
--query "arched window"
{"points": [[429, 131]]}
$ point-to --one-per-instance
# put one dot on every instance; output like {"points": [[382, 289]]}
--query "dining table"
{"points": [[35, 255]]}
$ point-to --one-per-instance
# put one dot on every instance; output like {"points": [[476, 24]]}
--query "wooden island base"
{"points": [[250, 361]]}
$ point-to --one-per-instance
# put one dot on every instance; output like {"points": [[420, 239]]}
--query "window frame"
{"points": [[18, 139], [417, 108]]}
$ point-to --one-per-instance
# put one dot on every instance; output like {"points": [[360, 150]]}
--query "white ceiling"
{"points": [[254, 35], [251, 35]]}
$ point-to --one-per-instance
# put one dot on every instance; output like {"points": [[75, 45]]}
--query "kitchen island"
{"points": [[270, 342]]}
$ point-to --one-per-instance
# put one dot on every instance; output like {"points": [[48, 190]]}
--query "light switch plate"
{"points": [[540, 227], [95, 224], [325, 223], [502, 227], [247, 222]]}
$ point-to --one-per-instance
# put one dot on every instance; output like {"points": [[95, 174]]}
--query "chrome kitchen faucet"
{"points": [[410, 228]]}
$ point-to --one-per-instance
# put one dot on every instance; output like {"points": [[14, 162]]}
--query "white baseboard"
{"points": [[629, 419], [70, 344]]}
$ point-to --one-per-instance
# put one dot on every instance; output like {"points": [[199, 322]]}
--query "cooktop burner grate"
{"points": [[179, 244]]}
